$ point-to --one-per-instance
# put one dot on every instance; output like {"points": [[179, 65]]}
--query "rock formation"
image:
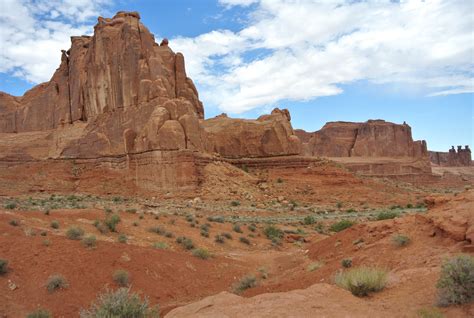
{"points": [[374, 138], [133, 94], [452, 158], [269, 135]]}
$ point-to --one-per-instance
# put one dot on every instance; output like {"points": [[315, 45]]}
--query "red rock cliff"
{"points": [[374, 138]]}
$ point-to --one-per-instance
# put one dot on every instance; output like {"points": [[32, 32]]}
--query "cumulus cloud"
{"points": [[301, 50], [32, 33]]}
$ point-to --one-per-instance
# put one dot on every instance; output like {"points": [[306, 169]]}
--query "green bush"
{"points": [[386, 215], [341, 225], [122, 238], [227, 235], [361, 281], [235, 203], [244, 240], [252, 227], [204, 233], [160, 245], [121, 277], [245, 283], [346, 262], [201, 253], [39, 313], [401, 240], [217, 219], [3, 266], [429, 313], [54, 224], [120, 303], [89, 241], [237, 228], [185, 242], [14, 222], [55, 282], [273, 232], [112, 222], [456, 281], [219, 239], [74, 233], [157, 229], [10, 205], [308, 220]]}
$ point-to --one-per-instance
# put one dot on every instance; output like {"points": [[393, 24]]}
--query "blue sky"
{"points": [[324, 61]]}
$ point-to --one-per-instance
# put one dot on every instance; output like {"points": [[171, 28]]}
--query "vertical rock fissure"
{"points": [[353, 143]]}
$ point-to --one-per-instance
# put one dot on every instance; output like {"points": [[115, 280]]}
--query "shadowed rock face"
{"points": [[374, 138]]}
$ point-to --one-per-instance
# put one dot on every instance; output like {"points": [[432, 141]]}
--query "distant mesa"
{"points": [[452, 158]]}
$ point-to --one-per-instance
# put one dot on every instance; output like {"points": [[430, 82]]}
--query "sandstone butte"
{"points": [[119, 94]]}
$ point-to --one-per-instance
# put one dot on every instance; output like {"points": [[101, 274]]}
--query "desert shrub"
{"points": [[245, 283], [135, 223], [10, 205], [252, 227], [54, 224], [141, 216], [39, 313], [121, 277], [14, 222], [201, 253], [400, 240], [237, 228], [227, 235], [279, 180], [89, 241], [122, 238], [112, 222], [308, 220], [386, 215], [169, 234], [217, 219], [235, 203], [120, 303], [157, 229], [429, 313], [346, 262], [456, 281], [3, 266], [351, 210], [132, 211], [409, 206], [341, 225], [314, 266], [244, 240], [74, 233], [55, 282], [43, 233], [185, 242], [101, 227], [339, 205], [204, 233], [319, 228], [46, 242], [219, 239], [394, 207], [361, 281], [273, 232], [160, 245]]}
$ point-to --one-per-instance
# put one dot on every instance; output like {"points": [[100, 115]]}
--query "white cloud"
{"points": [[300, 50], [32, 33]]}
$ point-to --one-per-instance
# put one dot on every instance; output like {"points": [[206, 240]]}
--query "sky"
{"points": [[325, 60]]}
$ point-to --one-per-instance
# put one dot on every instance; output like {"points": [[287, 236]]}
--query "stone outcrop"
{"points": [[118, 80], [374, 138], [452, 158], [269, 135]]}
